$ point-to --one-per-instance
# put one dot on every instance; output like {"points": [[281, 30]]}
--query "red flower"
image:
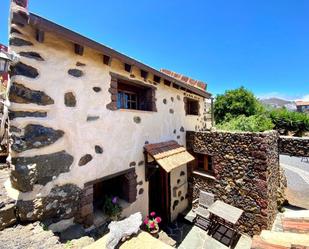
{"points": [[152, 214], [158, 219]]}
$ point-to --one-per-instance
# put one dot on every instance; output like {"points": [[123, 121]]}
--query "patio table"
{"points": [[230, 215]]}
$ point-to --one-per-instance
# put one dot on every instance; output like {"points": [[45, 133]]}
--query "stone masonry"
{"points": [[294, 146], [246, 174]]}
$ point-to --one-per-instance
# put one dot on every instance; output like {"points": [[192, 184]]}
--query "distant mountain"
{"points": [[278, 103]]}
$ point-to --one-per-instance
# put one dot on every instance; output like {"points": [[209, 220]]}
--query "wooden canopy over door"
{"points": [[161, 159]]}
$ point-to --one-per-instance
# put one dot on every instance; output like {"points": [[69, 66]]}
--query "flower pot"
{"points": [[155, 233]]}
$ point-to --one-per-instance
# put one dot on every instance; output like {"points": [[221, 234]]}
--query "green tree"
{"points": [[234, 103]]}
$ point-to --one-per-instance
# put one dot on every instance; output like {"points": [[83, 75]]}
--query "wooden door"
{"points": [[159, 194]]}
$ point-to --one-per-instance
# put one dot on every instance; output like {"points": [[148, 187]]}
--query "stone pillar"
{"points": [[86, 206]]}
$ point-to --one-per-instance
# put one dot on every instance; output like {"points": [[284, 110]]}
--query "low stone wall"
{"points": [[294, 146], [246, 174]]}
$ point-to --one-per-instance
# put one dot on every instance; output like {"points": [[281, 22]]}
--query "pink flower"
{"points": [[146, 221], [152, 214], [158, 219], [152, 225]]}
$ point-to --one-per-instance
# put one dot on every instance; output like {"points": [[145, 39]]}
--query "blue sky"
{"points": [[260, 44]]}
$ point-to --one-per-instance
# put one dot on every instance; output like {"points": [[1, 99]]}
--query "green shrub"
{"points": [[254, 123], [286, 121]]}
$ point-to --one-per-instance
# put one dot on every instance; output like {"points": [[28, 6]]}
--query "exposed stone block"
{"points": [[97, 89], [35, 136], [172, 99], [171, 111], [164, 101], [14, 30], [84, 160], [23, 114], [69, 99], [61, 203], [98, 149], [141, 191], [75, 73], [19, 42], [32, 55], [137, 119], [80, 64], [39, 169], [132, 164], [21, 94], [182, 129], [140, 163], [92, 118], [24, 70]]}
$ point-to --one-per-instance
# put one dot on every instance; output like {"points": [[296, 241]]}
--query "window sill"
{"points": [[135, 111], [204, 174]]}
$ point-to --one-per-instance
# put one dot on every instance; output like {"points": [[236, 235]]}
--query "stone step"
{"points": [[279, 240]]}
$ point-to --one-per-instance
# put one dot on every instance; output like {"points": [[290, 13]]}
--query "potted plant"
{"points": [[152, 224], [112, 208]]}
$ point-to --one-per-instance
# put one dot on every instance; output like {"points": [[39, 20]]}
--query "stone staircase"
{"points": [[290, 231]]}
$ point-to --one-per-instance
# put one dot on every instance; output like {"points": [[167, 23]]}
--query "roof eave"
{"points": [[67, 34]]}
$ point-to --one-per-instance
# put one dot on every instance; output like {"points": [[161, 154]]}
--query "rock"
{"points": [[7, 216], [140, 183], [29, 236], [92, 118], [122, 229], [178, 97], [35, 136], [171, 111], [15, 41], [61, 225], [175, 204], [69, 99], [140, 163], [24, 70], [81, 242], [22, 114], [141, 191], [39, 169], [172, 99], [61, 203], [97, 89], [164, 101], [23, 95], [98, 149], [182, 129], [182, 173], [84, 160], [32, 55], [75, 73], [137, 119]]}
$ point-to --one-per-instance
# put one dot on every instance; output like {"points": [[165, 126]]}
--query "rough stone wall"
{"points": [[246, 171], [294, 146], [61, 129]]}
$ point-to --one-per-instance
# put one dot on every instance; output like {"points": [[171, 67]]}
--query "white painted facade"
{"points": [[115, 131]]}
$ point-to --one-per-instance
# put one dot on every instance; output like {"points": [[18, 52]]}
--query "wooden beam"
{"points": [[156, 79], [107, 60], [128, 67], [78, 49], [40, 35], [167, 82], [144, 74]]}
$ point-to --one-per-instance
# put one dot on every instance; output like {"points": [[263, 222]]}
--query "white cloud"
{"points": [[304, 98]]}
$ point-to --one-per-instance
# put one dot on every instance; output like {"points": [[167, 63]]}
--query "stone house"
{"points": [[88, 122], [302, 106]]}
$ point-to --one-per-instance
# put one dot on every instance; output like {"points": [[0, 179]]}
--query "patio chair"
{"points": [[202, 214]]}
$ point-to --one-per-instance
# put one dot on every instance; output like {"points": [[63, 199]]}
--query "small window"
{"points": [[132, 96], [203, 163], [192, 107]]}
